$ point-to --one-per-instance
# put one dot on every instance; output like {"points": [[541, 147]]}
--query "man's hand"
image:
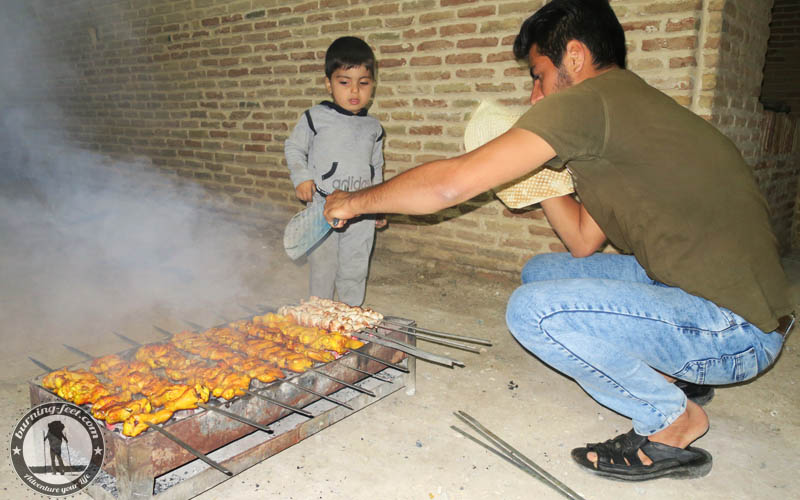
{"points": [[337, 207], [305, 190], [381, 222]]}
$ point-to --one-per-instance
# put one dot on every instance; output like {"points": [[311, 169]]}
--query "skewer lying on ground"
{"points": [[511, 455]]}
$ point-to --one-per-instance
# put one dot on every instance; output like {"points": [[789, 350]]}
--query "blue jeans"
{"points": [[603, 322]]}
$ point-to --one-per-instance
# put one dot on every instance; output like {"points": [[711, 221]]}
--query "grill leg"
{"points": [[135, 479]]}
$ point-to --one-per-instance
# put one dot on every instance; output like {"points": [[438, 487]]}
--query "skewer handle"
{"points": [[474, 340], [434, 339], [410, 350]]}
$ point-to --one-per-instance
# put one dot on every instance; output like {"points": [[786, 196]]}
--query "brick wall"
{"points": [[208, 90], [766, 139]]}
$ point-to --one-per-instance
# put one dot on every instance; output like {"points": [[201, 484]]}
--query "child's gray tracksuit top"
{"points": [[336, 149]]}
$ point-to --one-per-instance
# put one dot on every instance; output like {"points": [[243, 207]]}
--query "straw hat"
{"points": [[491, 120]]}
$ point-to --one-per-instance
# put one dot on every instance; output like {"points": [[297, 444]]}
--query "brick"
{"points": [[425, 61], [426, 130], [458, 29], [686, 24], [477, 42], [435, 45], [685, 42], [458, 59], [682, 62], [650, 26]]}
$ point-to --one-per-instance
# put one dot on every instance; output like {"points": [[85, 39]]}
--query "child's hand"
{"points": [[381, 222], [305, 190]]}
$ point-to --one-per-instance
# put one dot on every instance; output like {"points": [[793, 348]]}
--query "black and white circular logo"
{"points": [[57, 449]]}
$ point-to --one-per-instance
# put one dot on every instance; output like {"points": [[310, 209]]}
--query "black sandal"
{"points": [[617, 459]]}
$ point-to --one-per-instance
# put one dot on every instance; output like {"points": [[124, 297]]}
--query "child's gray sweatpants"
{"points": [[341, 260]]}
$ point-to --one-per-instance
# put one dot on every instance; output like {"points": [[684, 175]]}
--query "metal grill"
{"points": [[153, 466]]}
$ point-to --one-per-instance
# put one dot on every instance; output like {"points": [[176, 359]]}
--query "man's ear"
{"points": [[328, 85], [576, 56]]}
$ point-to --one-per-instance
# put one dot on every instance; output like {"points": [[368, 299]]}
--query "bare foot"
{"points": [[692, 424]]}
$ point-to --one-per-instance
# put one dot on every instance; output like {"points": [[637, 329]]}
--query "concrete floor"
{"points": [[403, 447]]}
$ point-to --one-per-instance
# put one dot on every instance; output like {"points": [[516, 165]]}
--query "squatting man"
{"points": [[697, 293]]}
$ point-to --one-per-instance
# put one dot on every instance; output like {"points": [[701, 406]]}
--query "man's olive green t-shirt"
{"points": [[668, 187]]}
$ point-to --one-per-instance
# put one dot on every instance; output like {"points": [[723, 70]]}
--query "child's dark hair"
{"points": [[589, 21], [349, 52]]}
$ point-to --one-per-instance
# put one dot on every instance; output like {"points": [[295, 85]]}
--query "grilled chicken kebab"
{"points": [[243, 350]]}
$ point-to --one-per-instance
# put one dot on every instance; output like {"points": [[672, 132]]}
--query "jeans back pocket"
{"points": [[727, 369]]}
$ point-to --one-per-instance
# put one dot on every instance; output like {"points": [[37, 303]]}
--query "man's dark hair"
{"points": [[589, 21], [349, 52]]}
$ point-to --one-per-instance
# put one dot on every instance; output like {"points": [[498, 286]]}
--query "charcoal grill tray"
{"points": [[135, 463]]}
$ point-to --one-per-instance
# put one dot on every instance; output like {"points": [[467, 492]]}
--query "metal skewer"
{"points": [[201, 405], [433, 339], [381, 361], [162, 331], [346, 384], [440, 334], [234, 416], [510, 454], [127, 339], [259, 395], [339, 381], [315, 393], [282, 405], [169, 435], [165, 332], [195, 325], [191, 450], [251, 311], [40, 364], [78, 351], [365, 372], [368, 336]]}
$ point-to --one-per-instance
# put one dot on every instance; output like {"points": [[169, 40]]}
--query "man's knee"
{"points": [[525, 308], [540, 267]]}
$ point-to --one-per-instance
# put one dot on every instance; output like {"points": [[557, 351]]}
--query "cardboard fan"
{"points": [[305, 229], [492, 120]]}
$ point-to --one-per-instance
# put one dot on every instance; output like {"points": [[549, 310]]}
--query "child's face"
{"points": [[351, 88]]}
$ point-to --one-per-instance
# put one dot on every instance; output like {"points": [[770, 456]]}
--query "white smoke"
{"points": [[87, 241]]}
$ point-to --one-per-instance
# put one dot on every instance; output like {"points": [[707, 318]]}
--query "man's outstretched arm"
{"points": [[573, 224], [440, 184]]}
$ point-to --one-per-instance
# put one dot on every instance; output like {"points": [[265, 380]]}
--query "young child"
{"points": [[336, 145]]}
